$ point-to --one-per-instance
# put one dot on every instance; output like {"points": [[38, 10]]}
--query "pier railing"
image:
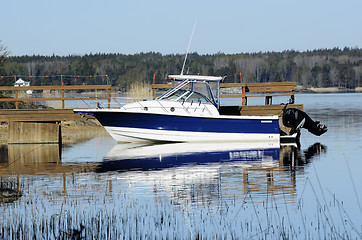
{"points": [[266, 90], [61, 89]]}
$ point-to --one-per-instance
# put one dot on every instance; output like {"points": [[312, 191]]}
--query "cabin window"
{"points": [[197, 97], [176, 95]]}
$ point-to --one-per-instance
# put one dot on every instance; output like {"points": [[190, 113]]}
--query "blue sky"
{"points": [[63, 27]]}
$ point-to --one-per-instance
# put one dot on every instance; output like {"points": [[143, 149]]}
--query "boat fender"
{"points": [[295, 119]]}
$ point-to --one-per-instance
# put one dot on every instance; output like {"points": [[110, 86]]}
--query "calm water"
{"points": [[103, 190]]}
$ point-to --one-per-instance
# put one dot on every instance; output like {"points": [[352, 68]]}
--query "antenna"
{"points": [[188, 48]]}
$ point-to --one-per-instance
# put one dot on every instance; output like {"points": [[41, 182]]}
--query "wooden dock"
{"points": [[40, 115], [37, 125], [43, 125]]}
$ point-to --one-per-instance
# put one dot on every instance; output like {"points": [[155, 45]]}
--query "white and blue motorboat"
{"points": [[188, 112]]}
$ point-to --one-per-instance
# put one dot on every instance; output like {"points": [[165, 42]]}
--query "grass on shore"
{"points": [[75, 131]]}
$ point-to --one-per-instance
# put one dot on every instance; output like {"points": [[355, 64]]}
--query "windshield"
{"points": [[193, 91], [189, 96]]}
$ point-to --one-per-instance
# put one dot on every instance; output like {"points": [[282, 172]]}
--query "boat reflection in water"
{"points": [[295, 158], [233, 168], [193, 172], [133, 156]]}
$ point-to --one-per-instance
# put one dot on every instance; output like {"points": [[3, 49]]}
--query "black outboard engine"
{"points": [[295, 119]]}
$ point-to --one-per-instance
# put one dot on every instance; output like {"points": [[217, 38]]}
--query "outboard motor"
{"points": [[295, 119]]}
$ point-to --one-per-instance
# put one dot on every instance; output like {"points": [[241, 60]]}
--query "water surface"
{"points": [[103, 190]]}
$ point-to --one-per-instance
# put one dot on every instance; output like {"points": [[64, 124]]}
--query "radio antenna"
{"points": [[188, 48]]}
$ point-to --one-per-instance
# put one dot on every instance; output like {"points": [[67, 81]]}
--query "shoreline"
{"points": [[328, 90]]}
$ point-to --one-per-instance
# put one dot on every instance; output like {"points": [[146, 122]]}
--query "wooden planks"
{"points": [[266, 110], [40, 115], [268, 91], [34, 132], [256, 110], [50, 99], [72, 87]]}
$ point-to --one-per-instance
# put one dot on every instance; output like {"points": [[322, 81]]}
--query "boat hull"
{"points": [[134, 126]]}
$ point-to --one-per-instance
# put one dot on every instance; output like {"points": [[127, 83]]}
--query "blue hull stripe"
{"points": [[186, 123]]}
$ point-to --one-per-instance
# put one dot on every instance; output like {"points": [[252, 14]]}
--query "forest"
{"points": [[318, 68]]}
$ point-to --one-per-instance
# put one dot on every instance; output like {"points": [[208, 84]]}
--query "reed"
{"points": [[139, 91], [122, 214]]}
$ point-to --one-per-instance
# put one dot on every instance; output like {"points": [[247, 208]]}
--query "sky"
{"points": [[78, 27]]}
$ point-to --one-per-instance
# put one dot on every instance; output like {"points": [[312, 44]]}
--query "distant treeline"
{"points": [[318, 68]]}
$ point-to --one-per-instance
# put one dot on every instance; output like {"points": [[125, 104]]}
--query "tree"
{"points": [[3, 53]]}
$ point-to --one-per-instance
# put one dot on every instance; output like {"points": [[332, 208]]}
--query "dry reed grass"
{"points": [[325, 90], [139, 91]]}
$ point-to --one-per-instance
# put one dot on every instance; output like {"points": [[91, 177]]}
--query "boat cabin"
{"points": [[194, 89]]}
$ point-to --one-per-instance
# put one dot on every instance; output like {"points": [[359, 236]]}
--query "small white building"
{"points": [[21, 83]]}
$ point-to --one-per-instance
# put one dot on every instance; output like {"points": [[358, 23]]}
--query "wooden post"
{"points": [[268, 99], [63, 102], [242, 90], [243, 96], [16, 96], [109, 97], [63, 105]]}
